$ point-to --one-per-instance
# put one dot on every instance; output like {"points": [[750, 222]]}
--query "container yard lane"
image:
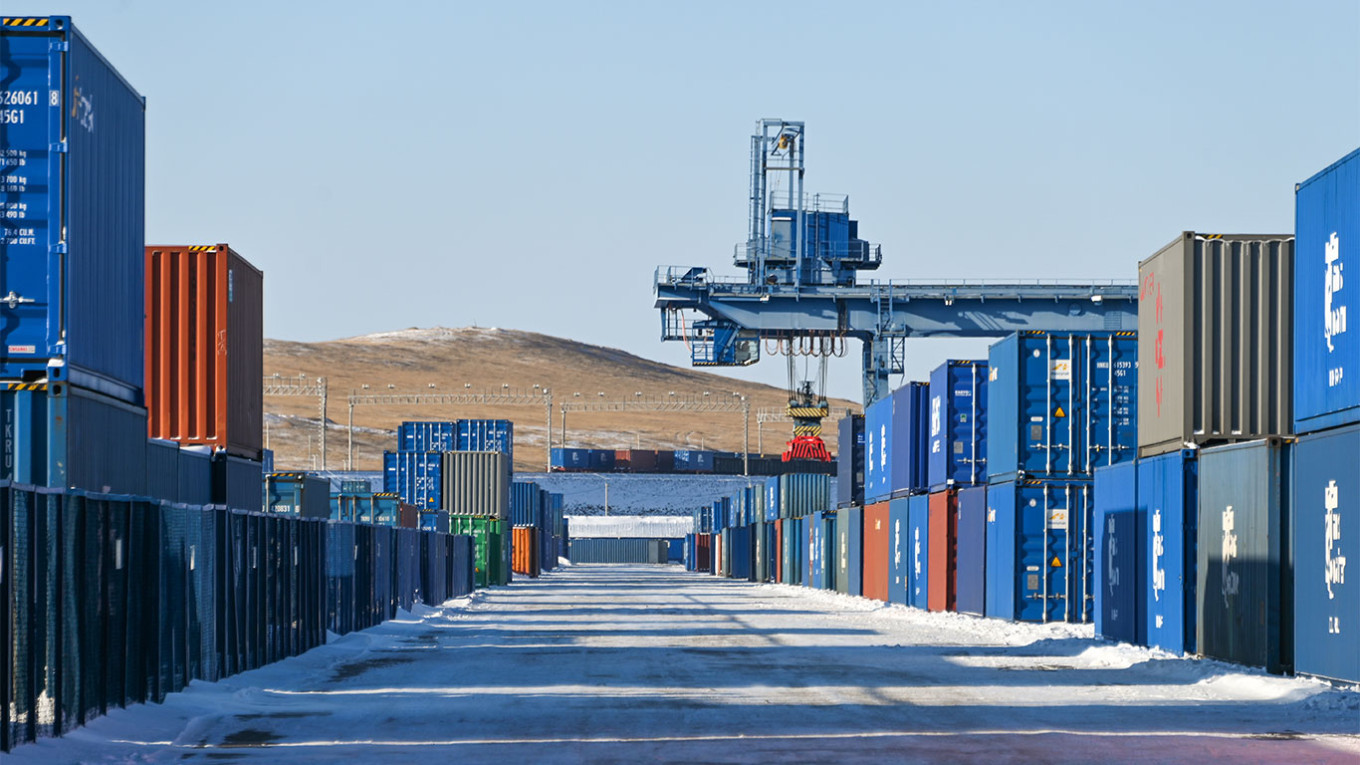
{"points": [[636, 663]]}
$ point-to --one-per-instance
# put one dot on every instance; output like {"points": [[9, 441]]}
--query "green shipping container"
{"points": [[491, 547]]}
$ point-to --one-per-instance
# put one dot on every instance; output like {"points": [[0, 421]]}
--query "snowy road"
{"points": [[652, 664]]}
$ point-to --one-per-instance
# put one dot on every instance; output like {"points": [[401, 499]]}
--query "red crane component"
{"points": [[806, 448]]}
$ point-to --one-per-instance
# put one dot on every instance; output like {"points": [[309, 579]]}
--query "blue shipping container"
{"points": [[1326, 504], [73, 211], [918, 519], [1061, 405], [196, 475], [416, 477], [850, 461], [601, 460], [1039, 551], [693, 461], [1120, 522], [958, 424], [427, 437], [526, 504], [738, 553], [162, 469], [572, 460], [488, 436], [237, 483], [899, 564], [878, 443], [910, 443], [971, 551], [1327, 227], [771, 499], [1167, 488], [814, 553], [64, 437]]}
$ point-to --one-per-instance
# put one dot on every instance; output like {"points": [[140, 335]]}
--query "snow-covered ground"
{"points": [[652, 664]]}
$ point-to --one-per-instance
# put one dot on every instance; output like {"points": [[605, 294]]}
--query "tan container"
{"points": [[205, 348], [1215, 341]]}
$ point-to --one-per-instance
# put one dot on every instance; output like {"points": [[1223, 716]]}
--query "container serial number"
{"points": [[11, 116], [19, 98]]}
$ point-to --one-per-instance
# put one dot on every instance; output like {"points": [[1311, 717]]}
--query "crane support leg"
{"points": [[878, 366]]}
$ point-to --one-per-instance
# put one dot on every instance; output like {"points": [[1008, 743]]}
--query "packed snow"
{"points": [[650, 663]]}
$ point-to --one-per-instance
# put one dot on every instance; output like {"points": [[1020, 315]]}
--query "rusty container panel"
{"points": [[205, 348], [943, 538], [877, 551]]}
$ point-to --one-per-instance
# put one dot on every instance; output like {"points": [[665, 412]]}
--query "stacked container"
{"points": [[895, 443], [1325, 497], [300, 494], [1120, 528], [850, 461], [958, 425]]}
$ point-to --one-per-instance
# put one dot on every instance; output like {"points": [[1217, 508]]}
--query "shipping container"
{"points": [[525, 553], [162, 469], [526, 504], [910, 449], [878, 443], [1039, 551], [971, 551], [772, 504], [693, 461], [1061, 405], [1326, 485], [776, 531], [1167, 488], [1245, 589], [850, 461], [1327, 224], [900, 554], [355, 486], [62, 436], [918, 583], [703, 550], [601, 460], [196, 475], [205, 348], [491, 436], [850, 550], [416, 477], [433, 520], [943, 550], [1215, 332], [814, 552], [739, 551], [491, 564], [1120, 527], [618, 551], [477, 483], [237, 483], [426, 436], [299, 494], [791, 551], [762, 561], [74, 210], [958, 425], [408, 516], [801, 494], [380, 509], [569, 460], [877, 552]]}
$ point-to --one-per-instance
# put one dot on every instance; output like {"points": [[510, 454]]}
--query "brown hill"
{"points": [[477, 360]]}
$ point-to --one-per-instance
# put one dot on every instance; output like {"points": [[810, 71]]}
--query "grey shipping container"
{"points": [[477, 483], [619, 550], [1215, 341], [1244, 569]]}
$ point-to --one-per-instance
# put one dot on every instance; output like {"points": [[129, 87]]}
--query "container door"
{"points": [[31, 195]]}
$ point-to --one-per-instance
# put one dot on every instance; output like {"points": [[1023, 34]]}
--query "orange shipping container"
{"points": [[877, 552], [524, 557], [205, 348]]}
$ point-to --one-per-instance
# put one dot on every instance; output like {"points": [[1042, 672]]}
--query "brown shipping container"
{"points": [[205, 348], [877, 549], [408, 516], [943, 531], [1215, 341], [703, 544]]}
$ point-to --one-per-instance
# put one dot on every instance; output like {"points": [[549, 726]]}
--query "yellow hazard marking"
{"points": [[12, 22], [1060, 413], [1057, 562], [25, 386]]}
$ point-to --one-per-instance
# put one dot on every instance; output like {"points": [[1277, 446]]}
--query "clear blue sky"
{"points": [[527, 165]]}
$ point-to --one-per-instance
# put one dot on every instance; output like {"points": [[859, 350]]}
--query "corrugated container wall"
{"points": [[1039, 551], [1327, 224], [62, 437], [205, 348], [1061, 405], [943, 549], [910, 439], [196, 475], [162, 470], [801, 494], [877, 552], [878, 444], [850, 461], [918, 518], [899, 560], [416, 477], [1216, 339], [413, 436], [850, 550], [958, 424], [1167, 488], [1326, 504], [488, 436], [1120, 524], [1245, 588], [971, 551], [477, 483], [74, 204]]}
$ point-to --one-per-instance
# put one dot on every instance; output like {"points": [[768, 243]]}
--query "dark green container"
{"points": [[491, 547]]}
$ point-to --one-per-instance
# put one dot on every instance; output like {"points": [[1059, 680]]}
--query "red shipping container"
{"points": [[622, 463], [943, 534], [877, 552], [205, 348], [703, 549]]}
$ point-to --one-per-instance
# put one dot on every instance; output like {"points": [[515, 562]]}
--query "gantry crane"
{"points": [[801, 294]]}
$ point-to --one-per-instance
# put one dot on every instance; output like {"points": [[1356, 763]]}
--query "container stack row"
{"points": [[684, 461]]}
